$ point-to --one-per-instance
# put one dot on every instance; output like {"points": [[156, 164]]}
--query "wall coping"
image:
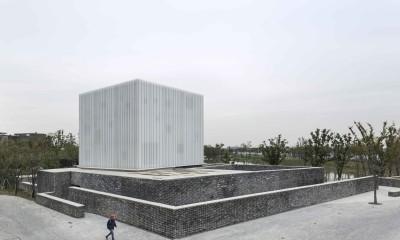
{"points": [[28, 183], [216, 200], [123, 197], [65, 201], [124, 174], [270, 192]]}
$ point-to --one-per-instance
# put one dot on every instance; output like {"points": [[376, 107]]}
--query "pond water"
{"points": [[332, 176]]}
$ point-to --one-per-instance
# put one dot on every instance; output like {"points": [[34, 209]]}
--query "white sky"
{"points": [[264, 67]]}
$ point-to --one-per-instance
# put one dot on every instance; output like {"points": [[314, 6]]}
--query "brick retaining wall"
{"points": [[195, 218], [179, 207], [61, 205], [56, 181], [181, 221], [198, 189], [389, 181], [155, 217]]}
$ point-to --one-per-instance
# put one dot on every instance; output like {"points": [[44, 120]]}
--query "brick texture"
{"points": [[199, 189], [180, 207]]}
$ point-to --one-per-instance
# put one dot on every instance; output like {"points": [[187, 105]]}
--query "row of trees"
{"points": [[373, 153], [378, 154], [26, 156]]}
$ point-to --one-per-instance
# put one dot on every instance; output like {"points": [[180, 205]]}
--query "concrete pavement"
{"points": [[349, 218]]}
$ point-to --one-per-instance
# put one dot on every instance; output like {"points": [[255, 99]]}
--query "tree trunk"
{"points": [[16, 183], [375, 188], [33, 184], [339, 174], [363, 168], [358, 169], [16, 188]]}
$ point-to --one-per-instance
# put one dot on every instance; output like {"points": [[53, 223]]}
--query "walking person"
{"points": [[110, 226]]}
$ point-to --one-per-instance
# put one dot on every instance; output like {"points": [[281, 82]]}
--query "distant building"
{"points": [[21, 136]]}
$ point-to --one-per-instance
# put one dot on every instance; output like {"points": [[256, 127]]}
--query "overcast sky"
{"points": [[264, 67]]}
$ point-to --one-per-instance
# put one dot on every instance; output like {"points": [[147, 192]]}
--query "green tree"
{"points": [[360, 158], [20, 156], [374, 150], [219, 151], [341, 148], [392, 147], [8, 164], [274, 151], [214, 153], [38, 149], [17, 157], [303, 150], [319, 143], [397, 157], [227, 156], [209, 153], [245, 148], [69, 153]]}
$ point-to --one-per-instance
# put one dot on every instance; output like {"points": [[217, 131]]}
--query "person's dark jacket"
{"points": [[111, 224]]}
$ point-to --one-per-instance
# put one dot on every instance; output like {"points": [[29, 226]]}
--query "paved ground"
{"points": [[349, 218]]}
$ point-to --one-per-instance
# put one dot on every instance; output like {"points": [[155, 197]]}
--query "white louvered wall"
{"points": [[140, 125]]}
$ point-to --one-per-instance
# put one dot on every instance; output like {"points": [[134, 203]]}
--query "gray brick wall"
{"points": [[181, 221], [198, 189], [60, 205], [45, 181], [389, 181], [150, 216], [225, 199], [195, 218], [56, 182]]}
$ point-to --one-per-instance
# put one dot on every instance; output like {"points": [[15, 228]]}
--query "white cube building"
{"points": [[140, 125]]}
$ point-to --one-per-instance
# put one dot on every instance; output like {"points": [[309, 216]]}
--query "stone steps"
{"points": [[67, 207]]}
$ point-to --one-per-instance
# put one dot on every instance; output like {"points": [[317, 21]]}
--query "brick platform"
{"points": [[179, 202]]}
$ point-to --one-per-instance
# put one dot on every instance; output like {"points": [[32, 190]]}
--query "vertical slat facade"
{"points": [[140, 125]]}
